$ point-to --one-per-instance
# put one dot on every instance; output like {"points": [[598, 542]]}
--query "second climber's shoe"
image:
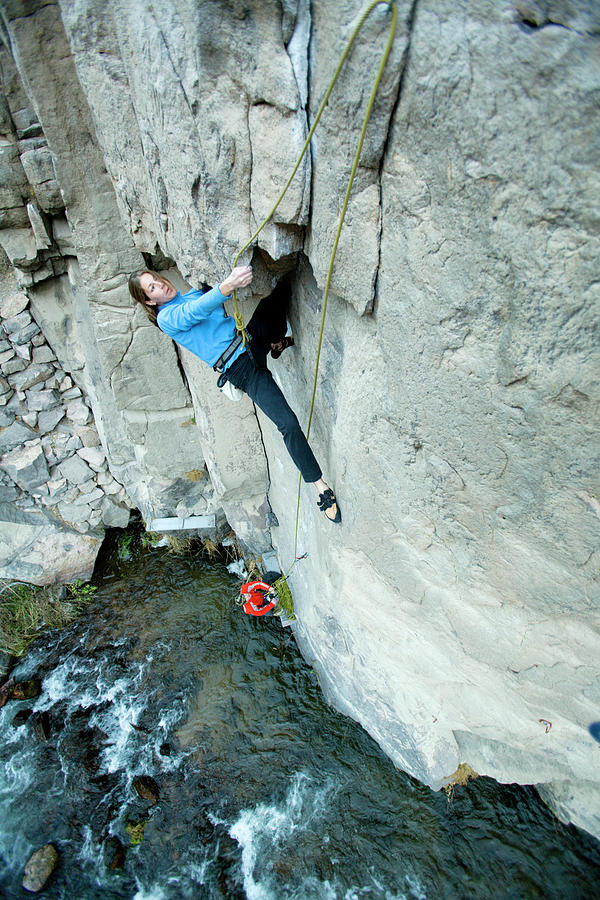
{"points": [[328, 504]]}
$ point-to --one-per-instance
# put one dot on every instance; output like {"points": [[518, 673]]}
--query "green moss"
{"points": [[135, 830], [286, 602]]}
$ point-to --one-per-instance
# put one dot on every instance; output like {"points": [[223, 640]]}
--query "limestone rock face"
{"points": [[454, 613]]}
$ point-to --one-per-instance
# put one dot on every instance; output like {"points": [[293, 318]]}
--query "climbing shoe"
{"points": [[288, 341], [328, 504]]}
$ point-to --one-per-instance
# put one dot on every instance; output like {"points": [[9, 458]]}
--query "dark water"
{"points": [[265, 792]]}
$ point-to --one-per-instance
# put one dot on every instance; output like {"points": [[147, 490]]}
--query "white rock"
{"points": [[78, 412], [88, 435], [23, 351], [94, 457], [75, 470], [43, 400], [14, 304], [42, 239], [49, 419], [113, 514]]}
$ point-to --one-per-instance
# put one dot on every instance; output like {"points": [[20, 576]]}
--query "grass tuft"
{"points": [[26, 609]]}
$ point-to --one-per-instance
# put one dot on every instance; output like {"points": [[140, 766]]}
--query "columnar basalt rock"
{"points": [[454, 613]]}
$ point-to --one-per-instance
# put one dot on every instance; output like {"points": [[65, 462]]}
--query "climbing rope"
{"points": [[239, 321]]}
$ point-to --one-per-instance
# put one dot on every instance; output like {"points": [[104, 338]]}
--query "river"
{"points": [[264, 791]]}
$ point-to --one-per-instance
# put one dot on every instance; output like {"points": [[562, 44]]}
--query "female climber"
{"points": [[198, 321]]}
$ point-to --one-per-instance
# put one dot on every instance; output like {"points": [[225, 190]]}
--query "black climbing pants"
{"points": [[249, 373]]}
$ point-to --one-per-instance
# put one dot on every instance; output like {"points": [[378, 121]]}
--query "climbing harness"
{"points": [[226, 355], [391, 4]]}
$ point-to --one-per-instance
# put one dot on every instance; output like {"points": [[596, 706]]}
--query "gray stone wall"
{"points": [[455, 611]]}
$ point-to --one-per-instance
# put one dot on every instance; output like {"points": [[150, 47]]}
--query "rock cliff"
{"points": [[455, 611]]}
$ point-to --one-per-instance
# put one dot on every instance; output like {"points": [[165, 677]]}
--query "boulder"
{"points": [[41, 725], [147, 788], [114, 515], [47, 552], [30, 376], [39, 868], [17, 322], [26, 690], [5, 691], [16, 364], [95, 457], [78, 412], [25, 334], [114, 853], [47, 420], [13, 304], [21, 717], [43, 354], [41, 401]]}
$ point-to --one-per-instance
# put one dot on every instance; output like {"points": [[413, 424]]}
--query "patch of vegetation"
{"points": [[80, 594], [286, 602], [461, 777], [149, 539], [124, 545], [183, 546], [25, 609], [135, 830]]}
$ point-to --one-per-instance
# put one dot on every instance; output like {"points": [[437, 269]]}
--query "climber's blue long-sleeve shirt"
{"points": [[198, 322]]}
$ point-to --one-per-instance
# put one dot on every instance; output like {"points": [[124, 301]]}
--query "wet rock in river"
{"points": [[40, 723], [21, 717], [26, 690], [39, 868], [147, 788], [5, 691], [114, 853]]}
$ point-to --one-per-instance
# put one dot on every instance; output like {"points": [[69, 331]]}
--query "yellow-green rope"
{"points": [[239, 321], [361, 140]]}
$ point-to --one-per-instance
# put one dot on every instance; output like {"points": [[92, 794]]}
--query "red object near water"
{"points": [[260, 598]]}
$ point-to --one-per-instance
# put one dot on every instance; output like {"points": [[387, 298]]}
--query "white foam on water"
{"points": [[155, 892], [191, 875], [17, 774], [261, 830], [376, 888], [416, 888]]}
